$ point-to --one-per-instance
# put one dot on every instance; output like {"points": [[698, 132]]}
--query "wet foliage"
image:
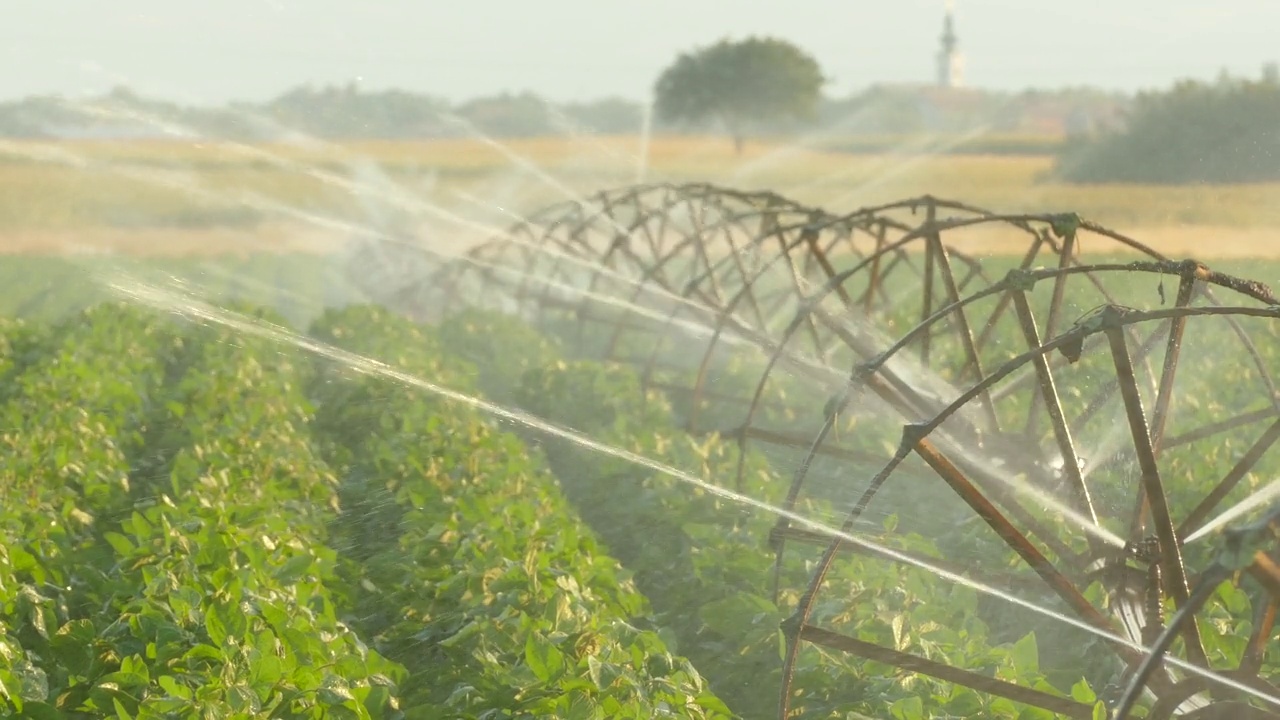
{"points": [[198, 524]]}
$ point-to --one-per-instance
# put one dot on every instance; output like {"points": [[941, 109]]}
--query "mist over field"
{"points": [[577, 360]]}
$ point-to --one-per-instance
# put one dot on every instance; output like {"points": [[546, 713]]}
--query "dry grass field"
{"points": [[182, 197]]}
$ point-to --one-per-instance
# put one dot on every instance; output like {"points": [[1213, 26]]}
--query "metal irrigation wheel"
{"points": [[1098, 458], [677, 280], [1046, 395]]}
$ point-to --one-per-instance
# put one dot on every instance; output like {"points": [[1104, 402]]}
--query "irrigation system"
{"points": [[1053, 397]]}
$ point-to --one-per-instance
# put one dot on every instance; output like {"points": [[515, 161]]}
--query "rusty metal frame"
{"points": [[1246, 551], [1110, 323], [801, 290], [731, 300]]}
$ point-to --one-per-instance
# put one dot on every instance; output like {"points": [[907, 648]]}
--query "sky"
{"points": [[211, 51]]}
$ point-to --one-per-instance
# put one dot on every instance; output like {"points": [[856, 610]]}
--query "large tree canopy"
{"points": [[741, 84]]}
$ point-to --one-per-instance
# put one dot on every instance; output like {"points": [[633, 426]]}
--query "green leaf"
{"points": [[224, 620], [459, 695], [898, 635], [593, 671], [202, 651], [582, 708], [1025, 656], [23, 561], [542, 657], [376, 700], [911, 708], [183, 602], [41, 711], [214, 625], [35, 609], [472, 628], [7, 686], [34, 684], [293, 569], [242, 699], [1082, 693], [710, 702], [121, 544], [890, 522], [72, 646], [132, 674], [334, 691], [171, 686]]}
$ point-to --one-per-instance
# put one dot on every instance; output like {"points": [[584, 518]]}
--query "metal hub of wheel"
{"points": [[1042, 417]]}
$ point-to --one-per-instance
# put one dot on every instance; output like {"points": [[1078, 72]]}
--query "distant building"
{"points": [[950, 61]]}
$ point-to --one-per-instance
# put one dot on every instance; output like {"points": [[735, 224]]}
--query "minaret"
{"points": [[950, 62]]}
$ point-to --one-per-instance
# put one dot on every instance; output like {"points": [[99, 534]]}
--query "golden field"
{"points": [[182, 197]]}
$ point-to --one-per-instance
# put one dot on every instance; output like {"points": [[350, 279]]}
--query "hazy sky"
{"points": [[215, 50]]}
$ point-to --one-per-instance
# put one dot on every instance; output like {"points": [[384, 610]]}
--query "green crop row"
{"points": [[72, 421], [1217, 382], [470, 567], [242, 586], [197, 523], [703, 561], [174, 547], [149, 570]]}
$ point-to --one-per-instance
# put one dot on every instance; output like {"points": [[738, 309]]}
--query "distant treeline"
{"points": [[330, 112], [349, 112], [1226, 131], [1223, 131]]}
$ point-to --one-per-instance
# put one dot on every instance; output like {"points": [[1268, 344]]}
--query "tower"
{"points": [[950, 61]]}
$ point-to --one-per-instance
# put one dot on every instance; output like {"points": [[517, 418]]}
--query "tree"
{"points": [[742, 85], [1195, 132]]}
